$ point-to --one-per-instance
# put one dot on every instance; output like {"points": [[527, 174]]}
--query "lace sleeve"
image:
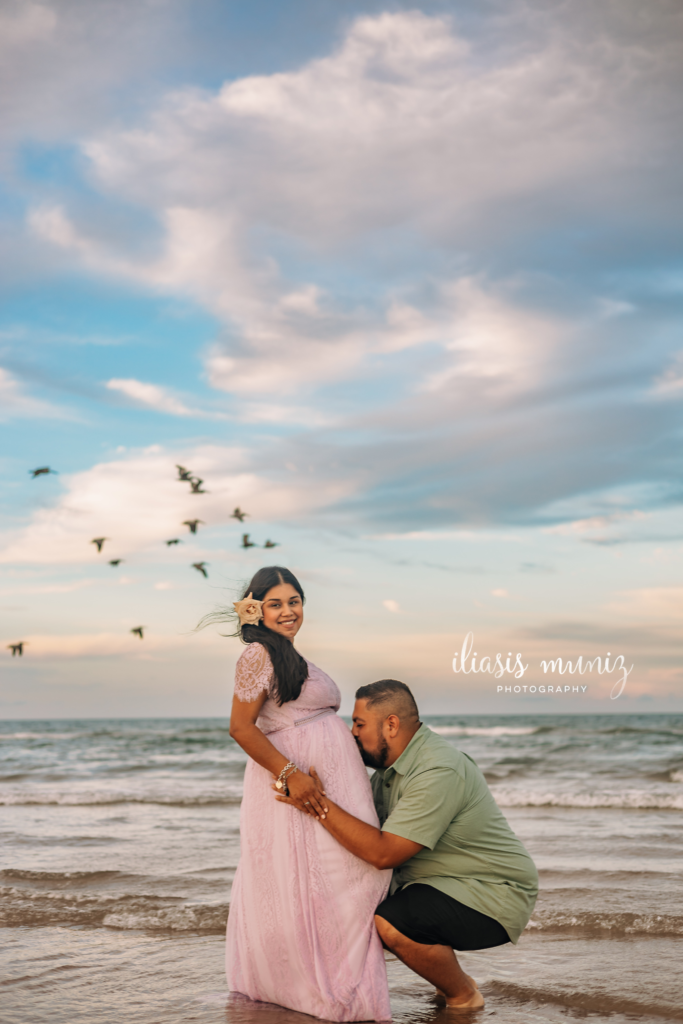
{"points": [[253, 673]]}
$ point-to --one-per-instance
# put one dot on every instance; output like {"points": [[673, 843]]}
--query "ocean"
{"points": [[120, 839]]}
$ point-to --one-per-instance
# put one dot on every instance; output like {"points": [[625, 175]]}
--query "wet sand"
{"points": [[119, 841], [81, 977]]}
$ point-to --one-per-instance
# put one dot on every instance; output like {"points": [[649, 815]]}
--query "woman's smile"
{"points": [[283, 610]]}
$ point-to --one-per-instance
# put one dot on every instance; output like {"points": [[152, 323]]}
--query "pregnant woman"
{"points": [[300, 931]]}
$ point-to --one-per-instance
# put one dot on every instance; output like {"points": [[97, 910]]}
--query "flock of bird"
{"points": [[186, 476]]}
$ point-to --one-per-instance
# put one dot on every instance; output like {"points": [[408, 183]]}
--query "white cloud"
{"points": [[14, 402], [398, 126], [283, 415], [108, 645], [400, 102], [53, 588], [594, 522], [664, 605], [670, 383], [151, 395], [26, 23], [392, 606], [90, 53], [492, 340], [138, 503], [471, 536], [407, 154], [286, 339]]}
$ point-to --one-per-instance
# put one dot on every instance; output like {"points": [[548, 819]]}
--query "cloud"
{"points": [[392, 606], [595, 522], [670, 383], [664, 605], [26, 24], [152, 396], [492, 340], [15, 403], [282, 415], [284, 343], [471, 536], [137, 502], [108, 645], [398, 240], [402, 99], [95, 57], [53, 588], [25, 334], [401, 127]]}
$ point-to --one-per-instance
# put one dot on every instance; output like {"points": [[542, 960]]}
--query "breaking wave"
{"points": [[61, 878], [606, 925], [106, 799], [626, 799], [22, 907], [632, 730], [493, 730], [40, 735]]}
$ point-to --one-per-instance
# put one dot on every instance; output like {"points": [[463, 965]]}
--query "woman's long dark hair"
{"points": [[291, 670]]}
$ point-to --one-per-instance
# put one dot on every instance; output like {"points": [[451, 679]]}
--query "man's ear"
{"points": [[393, 725]]}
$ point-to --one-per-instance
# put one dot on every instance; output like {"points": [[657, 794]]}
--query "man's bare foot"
{"points": [[474, 1002], [439, 997]]}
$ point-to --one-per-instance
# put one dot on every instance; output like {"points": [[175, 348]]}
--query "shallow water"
{"points": [[119, 841]]}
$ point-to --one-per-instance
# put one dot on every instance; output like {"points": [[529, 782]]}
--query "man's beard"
{"points": [[379, 758]]}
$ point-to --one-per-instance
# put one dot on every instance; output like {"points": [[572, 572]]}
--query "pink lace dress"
{"points": [[301, 931]]}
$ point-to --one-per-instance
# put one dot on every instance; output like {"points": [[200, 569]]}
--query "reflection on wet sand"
{"points": [[412, 1002]]}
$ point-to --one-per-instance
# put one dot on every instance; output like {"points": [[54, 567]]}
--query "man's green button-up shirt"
{"points": [[436, 795]]}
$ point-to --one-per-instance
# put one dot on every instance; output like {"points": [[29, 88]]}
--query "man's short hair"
{"points": [[390, 697]]}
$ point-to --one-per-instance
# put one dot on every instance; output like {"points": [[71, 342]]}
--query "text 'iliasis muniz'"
{"points": [[465, 662]]}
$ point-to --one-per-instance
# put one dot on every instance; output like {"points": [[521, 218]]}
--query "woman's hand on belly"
{"points": [[307, 794]]}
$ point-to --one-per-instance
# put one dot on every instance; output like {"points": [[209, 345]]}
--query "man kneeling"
{"points": [[462, 879]]}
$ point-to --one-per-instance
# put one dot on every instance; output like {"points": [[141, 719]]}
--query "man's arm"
{"points": [[381, 849], [428, 804]]}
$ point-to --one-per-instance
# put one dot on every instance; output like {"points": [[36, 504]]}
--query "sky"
{"points": [[404, 283]]}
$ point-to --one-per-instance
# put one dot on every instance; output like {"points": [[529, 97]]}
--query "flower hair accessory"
{"points": [[250, 612]]}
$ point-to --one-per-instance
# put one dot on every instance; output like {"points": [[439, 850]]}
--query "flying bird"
{"points": [[99, 541], [271, 544], [196, 485], [246, 543], [41, 471], [138, 631], [183, 474], [116, 561], [239, 514], [192, 523], [17, 648], [176, 540], [199, 566]]}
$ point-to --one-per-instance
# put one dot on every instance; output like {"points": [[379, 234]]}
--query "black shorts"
{"points": [[425, 914]]}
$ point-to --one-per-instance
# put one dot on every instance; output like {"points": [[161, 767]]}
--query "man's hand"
{"points": [[381, 849], [305, 792]]}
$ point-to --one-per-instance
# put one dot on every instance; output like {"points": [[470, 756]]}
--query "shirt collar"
{"points": [[404, 762]]}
